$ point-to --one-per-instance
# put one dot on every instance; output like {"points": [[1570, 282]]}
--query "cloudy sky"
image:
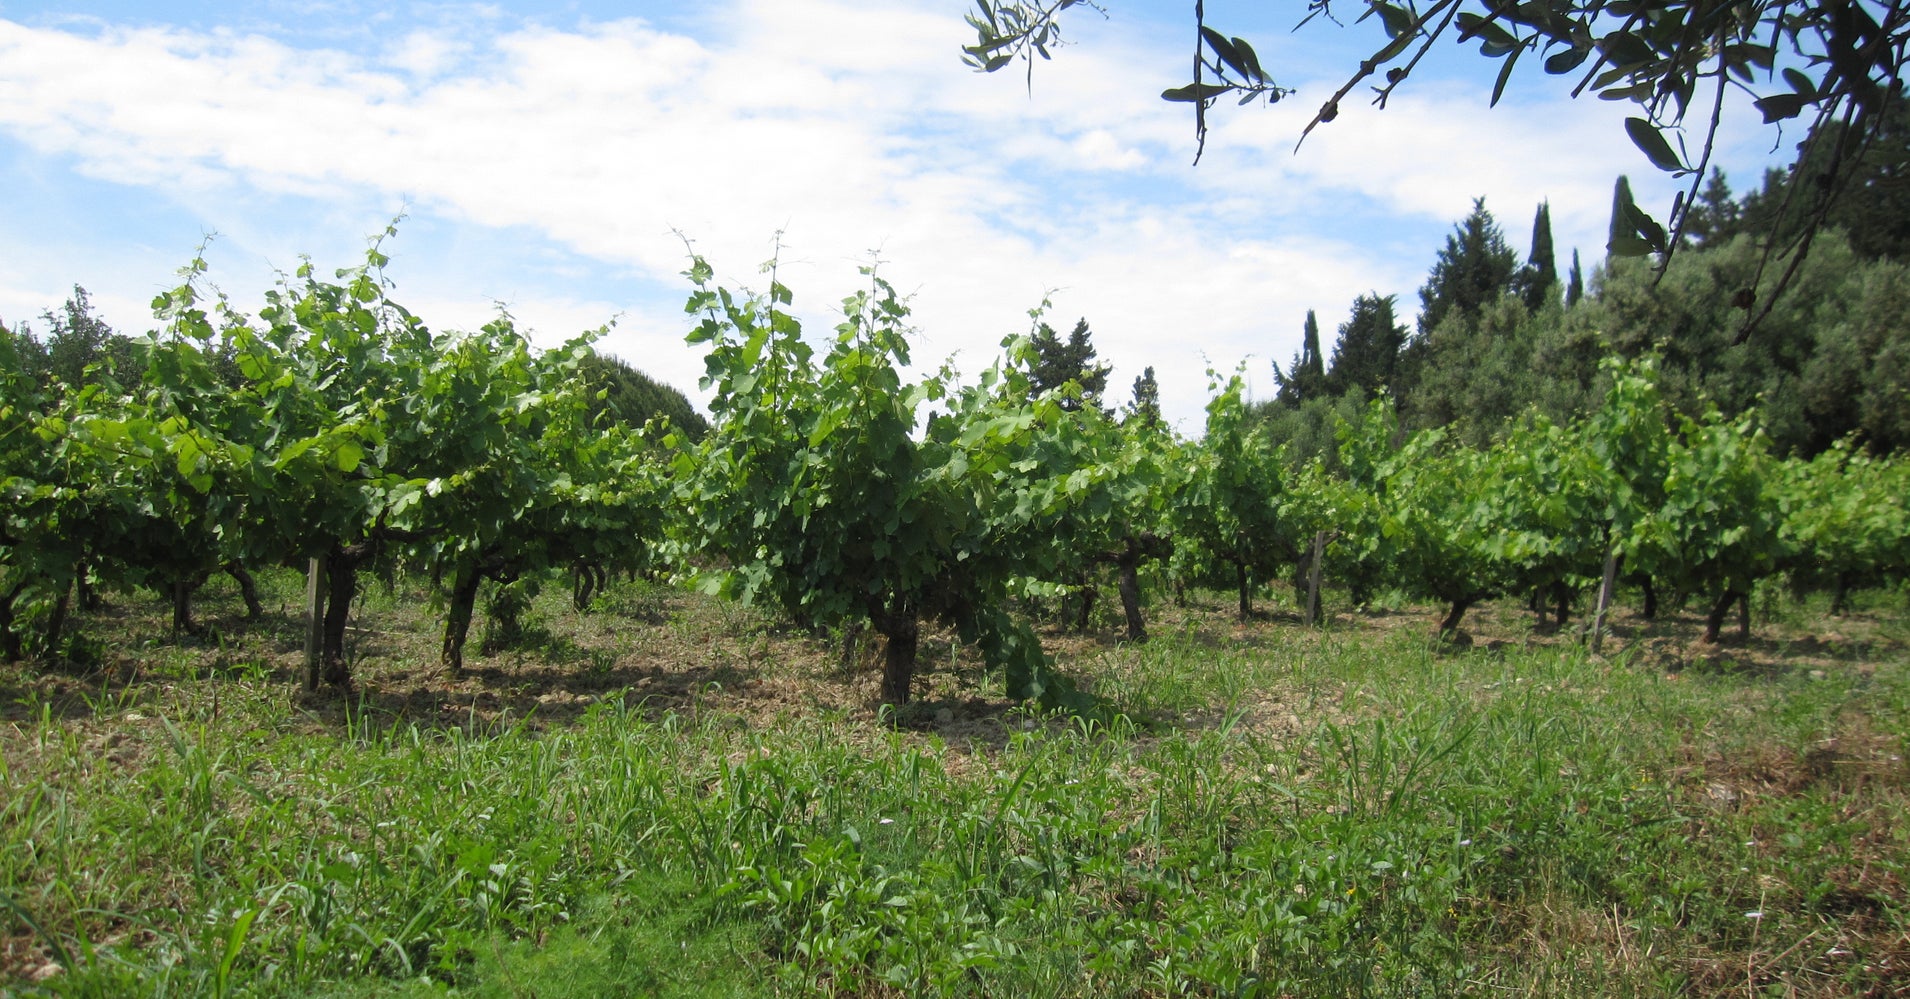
{"points": [[546, 155]]}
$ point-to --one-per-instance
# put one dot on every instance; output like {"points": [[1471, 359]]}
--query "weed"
{"points": [[1276, 811]]}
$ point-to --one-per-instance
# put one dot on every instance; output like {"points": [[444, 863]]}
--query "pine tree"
{"points": [[1714, 218], [1057, 363], [77, 339], [1475, 268], [1308, 380], [632, 398], [1575, 285], [1366, 355], [1147, 400], [1537, 282]]}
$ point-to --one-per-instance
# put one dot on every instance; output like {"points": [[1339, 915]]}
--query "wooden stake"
{"points": [[314, 621], [1605, 588], [1313, 578]]}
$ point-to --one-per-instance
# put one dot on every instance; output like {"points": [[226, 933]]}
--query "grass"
{"points": [[672, 796]]}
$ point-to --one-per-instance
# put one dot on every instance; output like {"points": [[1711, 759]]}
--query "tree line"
{"points": [[1497, 336]]}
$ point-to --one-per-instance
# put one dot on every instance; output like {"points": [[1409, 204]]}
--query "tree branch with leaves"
{"points": [[1819, 61]]}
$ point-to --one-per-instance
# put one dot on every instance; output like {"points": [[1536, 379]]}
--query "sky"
{"points": [[552, 160]]}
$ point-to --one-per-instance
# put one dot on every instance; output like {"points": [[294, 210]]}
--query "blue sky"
{"points": [[546, 155]]}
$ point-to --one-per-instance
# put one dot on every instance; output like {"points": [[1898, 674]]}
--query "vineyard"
{"points": [[337, 430], [1430, 741]]}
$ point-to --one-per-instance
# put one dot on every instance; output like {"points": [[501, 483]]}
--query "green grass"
{"points": [[674, 797]]}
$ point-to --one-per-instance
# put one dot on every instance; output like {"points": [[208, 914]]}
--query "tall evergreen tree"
{"points": [[1537, 282], [1146, 406], [1475, 268], [1714, 218], [76, 338], [1575, 283], [1620, 231], [1366, 355], [1308, 380], [1058, 362], [632, 398]]}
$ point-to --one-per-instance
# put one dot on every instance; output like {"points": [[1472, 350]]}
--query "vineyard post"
{"points": [[1605, 588], [314, 620], [1313, 578]]}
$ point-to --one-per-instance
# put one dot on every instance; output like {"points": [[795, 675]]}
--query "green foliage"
{"points": [[1230, 514], [1473, 269], [1366, 355], [632, 398], [1845, 524], [1863, 175], [1109, 493], [1715, 218], [1146, 407], [1476, 374], [1860, 360], [1554, 500], [336, 425], [825, 497], [1059, 363], [1311, 431], [1827, 348], [1439, 518], [1308, 379], [1537, 282], [76, 341], [1716, 531]]}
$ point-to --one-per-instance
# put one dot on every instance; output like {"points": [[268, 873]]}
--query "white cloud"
{"points": [[851, 126], [425, 54]]}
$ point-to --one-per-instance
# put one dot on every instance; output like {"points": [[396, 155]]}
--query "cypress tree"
{"points": [[1574, 285], [1308, 380], [1620, 232], [1538, 281]]}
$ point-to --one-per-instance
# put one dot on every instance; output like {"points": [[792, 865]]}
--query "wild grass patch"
{"points": [[691, 800]]}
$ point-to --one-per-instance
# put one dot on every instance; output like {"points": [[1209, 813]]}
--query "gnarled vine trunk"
{"points": [[10, 645], [1136, 549], [248, 590], [182, 590], [457, 621], [56, 622], [588, 579], [1130, 574], [1088, 593], [1714, 621], [902, 633], [341, 586], [1246, 591], [1455, 613]]}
